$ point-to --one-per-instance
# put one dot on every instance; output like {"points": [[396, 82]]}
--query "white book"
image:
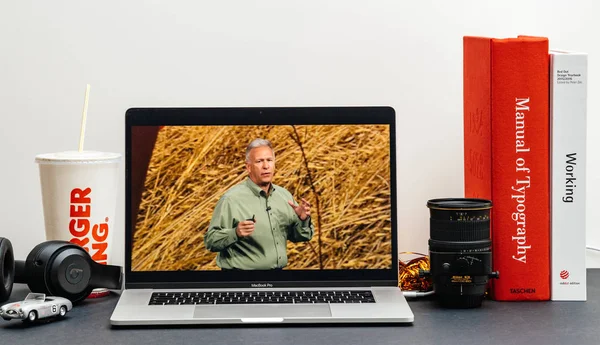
{"points": [[568, 112]]}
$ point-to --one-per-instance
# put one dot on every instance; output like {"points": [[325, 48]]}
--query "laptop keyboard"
{"points": [[264, 297]]}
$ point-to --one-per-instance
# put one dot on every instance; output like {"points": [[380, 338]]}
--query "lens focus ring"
{"points": [[451, 230], [471, 246]]}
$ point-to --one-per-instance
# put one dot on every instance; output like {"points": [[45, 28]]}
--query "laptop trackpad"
{"points": [[256, 313]]}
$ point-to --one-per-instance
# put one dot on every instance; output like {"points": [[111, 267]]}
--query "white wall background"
{"points": [[261, 53]]}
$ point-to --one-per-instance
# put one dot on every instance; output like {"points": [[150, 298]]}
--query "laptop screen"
{"points": [[284, 190]]}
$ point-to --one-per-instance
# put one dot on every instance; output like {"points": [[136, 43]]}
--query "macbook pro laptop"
{"points": [[261, 215]]}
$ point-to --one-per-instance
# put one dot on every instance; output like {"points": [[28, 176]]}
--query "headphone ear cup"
{"points": [[7, 269], [59, 268], [70, 274]]}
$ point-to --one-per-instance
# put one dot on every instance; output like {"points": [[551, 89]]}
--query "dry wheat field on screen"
{"points": [[342, 170]]}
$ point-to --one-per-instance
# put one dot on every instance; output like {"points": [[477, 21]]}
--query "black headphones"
{"points": [[56, 268]]}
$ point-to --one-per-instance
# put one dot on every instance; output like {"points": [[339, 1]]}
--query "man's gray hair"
{"points": [[258, 143]]}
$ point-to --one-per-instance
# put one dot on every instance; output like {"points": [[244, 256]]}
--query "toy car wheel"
{"points": [[32, 316], [63, 311]]}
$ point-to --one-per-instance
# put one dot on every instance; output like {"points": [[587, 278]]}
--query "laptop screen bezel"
{"points": [[259, 116]]}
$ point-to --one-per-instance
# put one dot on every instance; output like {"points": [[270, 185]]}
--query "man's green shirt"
{"points": [[276, 222]]}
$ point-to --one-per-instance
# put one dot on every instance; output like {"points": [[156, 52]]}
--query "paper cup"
{"points": [[79, 196]]}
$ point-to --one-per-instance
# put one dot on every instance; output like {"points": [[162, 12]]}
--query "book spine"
{"points": [[568, 97], [518, 150], [477, 124]]}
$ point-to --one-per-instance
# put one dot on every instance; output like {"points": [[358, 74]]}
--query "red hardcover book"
{"points": [[506, 148]]}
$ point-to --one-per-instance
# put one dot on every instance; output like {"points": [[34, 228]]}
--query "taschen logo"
{"points": [[564, 274]]}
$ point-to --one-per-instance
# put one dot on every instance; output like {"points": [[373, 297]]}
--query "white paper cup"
{"points": [[79, 196]]}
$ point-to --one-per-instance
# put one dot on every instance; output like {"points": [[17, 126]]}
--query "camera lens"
{"points": [[460, 250]]}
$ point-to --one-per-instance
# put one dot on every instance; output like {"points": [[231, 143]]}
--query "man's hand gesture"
{"points": [[302, 210]]}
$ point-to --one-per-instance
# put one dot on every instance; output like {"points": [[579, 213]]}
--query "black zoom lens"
{"points": [[460, 250]]}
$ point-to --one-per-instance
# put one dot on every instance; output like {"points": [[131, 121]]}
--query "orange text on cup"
{"points": [[79, 226]]}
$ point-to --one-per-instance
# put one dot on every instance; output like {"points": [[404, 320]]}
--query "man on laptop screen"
{"points": [[257, 241]]}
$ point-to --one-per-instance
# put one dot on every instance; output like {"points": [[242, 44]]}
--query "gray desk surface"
{"points": [[495, 322]]}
